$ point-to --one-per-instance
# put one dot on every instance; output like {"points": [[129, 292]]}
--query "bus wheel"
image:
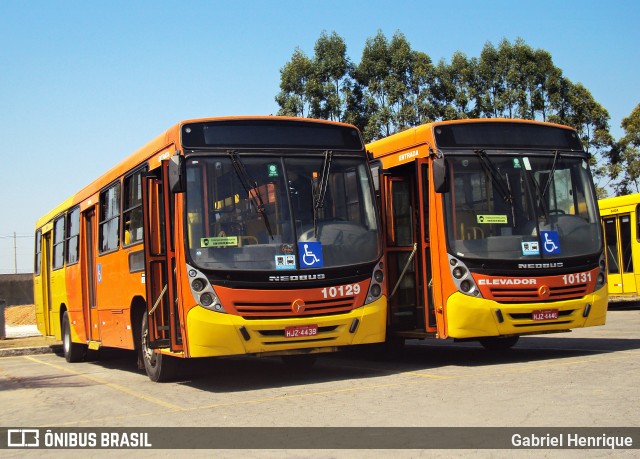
{"points": [[300, 361], [159, 367], [73, 352], [496, 343]]}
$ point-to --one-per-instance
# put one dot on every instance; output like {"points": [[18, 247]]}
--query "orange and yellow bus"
{"points": [[491, 231], [621, 225], [223, 236]]}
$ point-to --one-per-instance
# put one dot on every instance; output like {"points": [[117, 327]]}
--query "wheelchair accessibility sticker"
{"points": [[310, 255], [550, 242]]}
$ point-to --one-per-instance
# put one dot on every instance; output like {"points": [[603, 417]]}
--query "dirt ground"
{"points": [[20, 315], [23, 315]]}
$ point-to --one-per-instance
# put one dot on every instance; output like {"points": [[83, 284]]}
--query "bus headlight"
{"points": [[198, 285], [458, 272], [602, 273], [376, 287], [206, 300], [203, 291], [462, 278]]}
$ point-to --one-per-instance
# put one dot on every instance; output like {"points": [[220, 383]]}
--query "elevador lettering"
{"points": [[501, 281]]}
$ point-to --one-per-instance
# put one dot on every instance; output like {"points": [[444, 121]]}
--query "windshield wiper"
{"points": [[319, 190], [502, 185], [251, 187], [539, 195], [553, 171]]}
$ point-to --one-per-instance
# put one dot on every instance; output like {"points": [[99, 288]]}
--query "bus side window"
{"points": [[132, 213], [109, 219]]}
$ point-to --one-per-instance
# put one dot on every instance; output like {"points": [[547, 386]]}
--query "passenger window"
{"points": [[58, 243], [132, 209], [109, 219]]}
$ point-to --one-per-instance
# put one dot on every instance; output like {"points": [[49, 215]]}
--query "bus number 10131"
{"points": [[579, 278]]}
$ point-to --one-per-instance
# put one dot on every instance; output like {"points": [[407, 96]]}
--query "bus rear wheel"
{"points": [[498, 343], [73, 352], [159, 367]]}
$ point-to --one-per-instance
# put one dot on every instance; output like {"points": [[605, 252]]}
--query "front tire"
{"points": [[73, 352], [159, 367]]}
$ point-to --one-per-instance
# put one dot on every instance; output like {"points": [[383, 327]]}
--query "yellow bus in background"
{"points": [[621, 226], [491, 231], [222, 236]]}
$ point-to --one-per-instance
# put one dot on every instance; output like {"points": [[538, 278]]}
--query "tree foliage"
{"points": [[627, 165], [394, 87]]}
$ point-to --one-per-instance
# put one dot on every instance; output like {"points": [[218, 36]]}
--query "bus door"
{"points": [[406, 311], [424, 245], [618, 241], [90, 275], [160, 261], [45, 269]]}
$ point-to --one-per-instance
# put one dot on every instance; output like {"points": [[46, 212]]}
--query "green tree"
{"points": [[294, 97], [317, 87], [332, 70], [394, 83], [631, 126], [394, 87], [454, 89], [627, 166], [490, 82], [577, 108]]}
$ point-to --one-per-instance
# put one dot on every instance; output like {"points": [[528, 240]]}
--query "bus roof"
{"points": [[619, 201], [424, 135]]}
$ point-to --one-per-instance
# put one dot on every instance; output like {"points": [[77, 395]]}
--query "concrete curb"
{"points": [[19, 351]]}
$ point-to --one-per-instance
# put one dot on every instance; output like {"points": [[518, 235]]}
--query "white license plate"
{"points": [[545, 314], [300, 330]]}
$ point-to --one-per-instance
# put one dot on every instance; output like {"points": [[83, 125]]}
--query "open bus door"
{"points": [[426, 267], [45, 270], [160, 261], [408, 251], [618, 245], [90, 275]]}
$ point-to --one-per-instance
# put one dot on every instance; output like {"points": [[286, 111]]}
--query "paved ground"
{"points": [[588, 378]]}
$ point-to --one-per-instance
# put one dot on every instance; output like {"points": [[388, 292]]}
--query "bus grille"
{"points": [[526, 295], [257, 310]]}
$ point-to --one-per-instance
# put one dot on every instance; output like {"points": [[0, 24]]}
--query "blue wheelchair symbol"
{"points": [[310, 254], [550, 242]]}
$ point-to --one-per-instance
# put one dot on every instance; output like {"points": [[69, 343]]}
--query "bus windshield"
{"points": [[520, 206], [256, 212]]}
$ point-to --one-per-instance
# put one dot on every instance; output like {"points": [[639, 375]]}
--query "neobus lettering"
{"points": [[302, 277], [540, 265]]}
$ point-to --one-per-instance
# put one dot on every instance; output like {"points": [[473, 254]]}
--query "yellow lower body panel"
{"points": [[469, 317], [214, 334]]}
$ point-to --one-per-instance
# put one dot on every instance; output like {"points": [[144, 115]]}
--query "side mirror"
{"points": [[440, 175], [176, 176], [375, 175]]}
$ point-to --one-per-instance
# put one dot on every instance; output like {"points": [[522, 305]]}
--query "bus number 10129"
{"points": [[340, 291]]}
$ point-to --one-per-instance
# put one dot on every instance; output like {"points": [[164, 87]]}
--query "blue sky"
{"points": [[85, 83]]}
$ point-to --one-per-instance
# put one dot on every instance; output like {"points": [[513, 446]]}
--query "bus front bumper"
{"points": [[469, 317], [212, 334]]}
